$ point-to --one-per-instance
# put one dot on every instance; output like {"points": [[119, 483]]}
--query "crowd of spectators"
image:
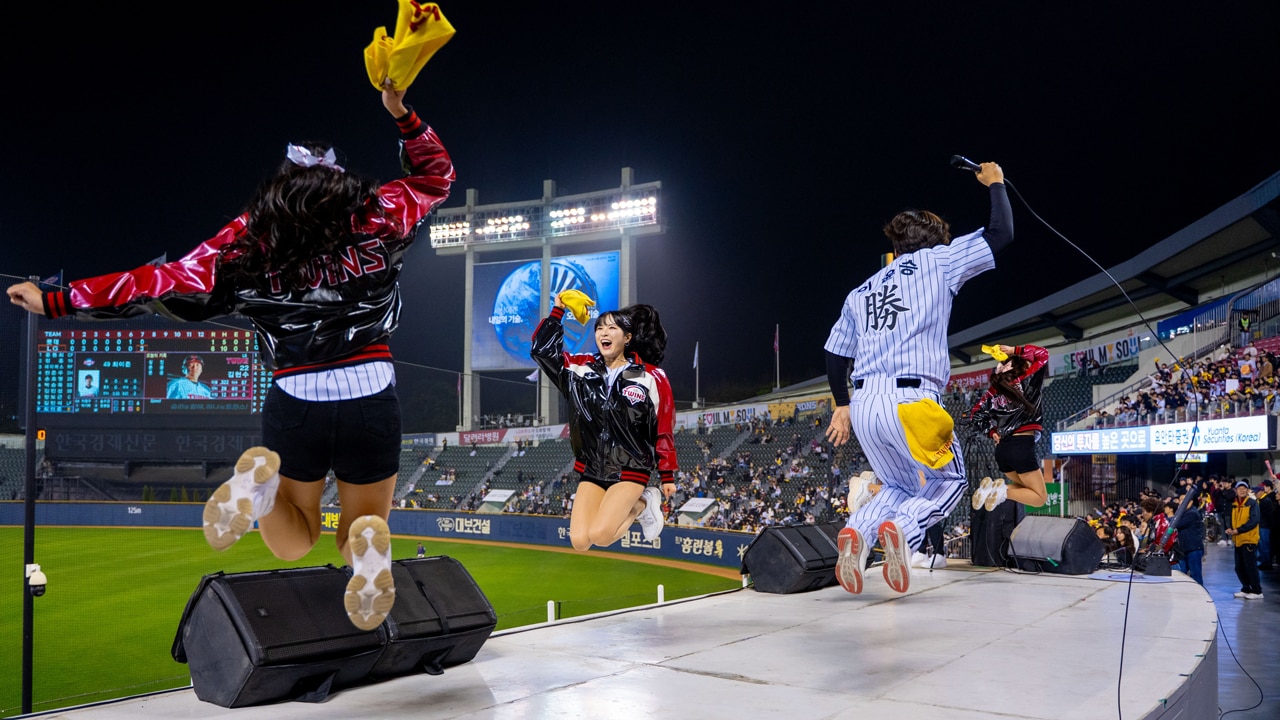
{"points": [[1135, 527], [1229, 383], [509, 420], [805, 480]]}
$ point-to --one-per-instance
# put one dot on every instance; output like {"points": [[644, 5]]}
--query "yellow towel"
{"points": [[421, 30], [928, 430], [577, 302], [995, 352]]}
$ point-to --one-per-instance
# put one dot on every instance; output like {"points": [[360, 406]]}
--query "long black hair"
{"points": [[648, 337], [296, 216], [1006, 383]]}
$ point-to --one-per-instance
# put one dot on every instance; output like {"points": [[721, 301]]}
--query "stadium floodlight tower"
{"points": [[510, 297]]}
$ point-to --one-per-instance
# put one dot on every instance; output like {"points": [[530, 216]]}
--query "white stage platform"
{"points": [[964, 643]]}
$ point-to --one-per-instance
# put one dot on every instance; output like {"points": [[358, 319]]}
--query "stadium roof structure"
{"points": [[1226, 246]]}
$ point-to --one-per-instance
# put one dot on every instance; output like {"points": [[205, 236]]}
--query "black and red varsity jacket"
{"points": [[620, 433], [344, 317], [1001, 417]]}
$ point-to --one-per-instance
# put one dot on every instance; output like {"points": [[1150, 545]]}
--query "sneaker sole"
{"points": [[993, 498], [897, 565], [228, 514], [980, 495], [369, 600], [848, 574]]}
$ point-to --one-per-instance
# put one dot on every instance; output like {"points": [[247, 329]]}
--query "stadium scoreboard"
{"points": [[150, 391], [150, 371]]}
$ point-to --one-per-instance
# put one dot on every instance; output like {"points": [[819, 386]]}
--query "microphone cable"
{"points": [[963, 163]]}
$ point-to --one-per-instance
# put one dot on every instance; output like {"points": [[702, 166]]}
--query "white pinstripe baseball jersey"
{"points": [[895, 323], [344, 383]]}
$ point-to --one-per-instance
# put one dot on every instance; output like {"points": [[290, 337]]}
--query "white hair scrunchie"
{"points": [[303, 157]]}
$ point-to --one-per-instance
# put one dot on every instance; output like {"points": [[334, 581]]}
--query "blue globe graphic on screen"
{"points": [[517, 303]]}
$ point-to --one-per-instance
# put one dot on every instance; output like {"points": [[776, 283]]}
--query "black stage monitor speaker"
{"points": [[440, 619], [1065, 546], [989, 533], [258, 637], [793, 558]]}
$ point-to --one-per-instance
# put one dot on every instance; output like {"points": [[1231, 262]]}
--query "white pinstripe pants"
{"points": [[873, 412]]}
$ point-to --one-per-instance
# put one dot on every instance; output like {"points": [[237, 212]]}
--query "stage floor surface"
{"points": [[963, 643]]}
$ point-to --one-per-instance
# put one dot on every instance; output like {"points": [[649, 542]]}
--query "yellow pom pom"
{"points": [[577, 302], [995, 352]]}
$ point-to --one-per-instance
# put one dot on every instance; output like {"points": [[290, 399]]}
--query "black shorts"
{"points": [[358, 439], [1017, 453]]}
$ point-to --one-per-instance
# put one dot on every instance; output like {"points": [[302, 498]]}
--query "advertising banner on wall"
{"points": [[505, 305], [722, 548], [976, 379], [1228, 434], [1108, 353]]}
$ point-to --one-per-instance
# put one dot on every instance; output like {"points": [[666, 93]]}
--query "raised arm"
{"points": [[999, 232]]}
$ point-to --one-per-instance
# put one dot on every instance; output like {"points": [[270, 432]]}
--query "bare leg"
{"points": [[586, 505], [292, 528], [1027, 488], [602, 517], [359, 500], [618, 511]]}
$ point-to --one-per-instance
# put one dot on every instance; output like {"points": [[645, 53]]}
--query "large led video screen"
{"points": [[505, 309], [148, 390], [132, 372]]}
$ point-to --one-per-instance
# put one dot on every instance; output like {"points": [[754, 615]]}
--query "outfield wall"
{"points": [[713, 547]]}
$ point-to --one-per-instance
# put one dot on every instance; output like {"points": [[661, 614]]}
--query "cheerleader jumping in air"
{"points": [[621, 418], [1011, 413]]}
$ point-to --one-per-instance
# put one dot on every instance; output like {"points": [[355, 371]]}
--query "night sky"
{"points": [[784, 136]]}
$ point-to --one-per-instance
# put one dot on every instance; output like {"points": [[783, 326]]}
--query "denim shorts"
{"points": [[358, 439]]}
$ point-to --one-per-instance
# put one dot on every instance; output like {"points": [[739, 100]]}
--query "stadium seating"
{"points": [[543, 462]]}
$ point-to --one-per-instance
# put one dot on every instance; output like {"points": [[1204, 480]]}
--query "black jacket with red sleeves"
{"points": [[998, 416], [623, 432], [344, 317]]}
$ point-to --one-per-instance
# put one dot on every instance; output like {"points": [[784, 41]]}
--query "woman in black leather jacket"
{"points": [[621, 419]]}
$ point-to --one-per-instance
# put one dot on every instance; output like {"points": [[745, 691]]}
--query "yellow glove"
{"points": [[577, 302], [995, 352], [421, 30]]}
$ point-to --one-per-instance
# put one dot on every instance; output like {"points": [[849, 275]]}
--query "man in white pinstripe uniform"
{"points": [[895, 325]]}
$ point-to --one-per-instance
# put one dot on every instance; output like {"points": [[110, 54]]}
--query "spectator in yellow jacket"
{"points": [[1245, 519]]}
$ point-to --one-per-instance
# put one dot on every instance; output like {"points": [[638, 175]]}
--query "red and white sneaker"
{"points": [[852, 560], [240, 501], [371, 591], [897, 558]]}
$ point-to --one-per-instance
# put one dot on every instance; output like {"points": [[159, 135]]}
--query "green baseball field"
{"points": [[106, 625]]}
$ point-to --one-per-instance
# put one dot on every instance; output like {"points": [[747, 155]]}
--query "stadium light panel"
{"points": [[580, 214]]}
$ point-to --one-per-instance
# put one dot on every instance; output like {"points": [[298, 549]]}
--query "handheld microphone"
{"points": [[961, 162]]}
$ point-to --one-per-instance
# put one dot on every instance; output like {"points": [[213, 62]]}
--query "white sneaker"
{"points": [[980, 495], [1239, 594], [650, 518], [240, 501], [860, 490], [1253, 596], [852, 559], [933, 562], [371, 591], [918, 558], [999, 493], [897, 568]]}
